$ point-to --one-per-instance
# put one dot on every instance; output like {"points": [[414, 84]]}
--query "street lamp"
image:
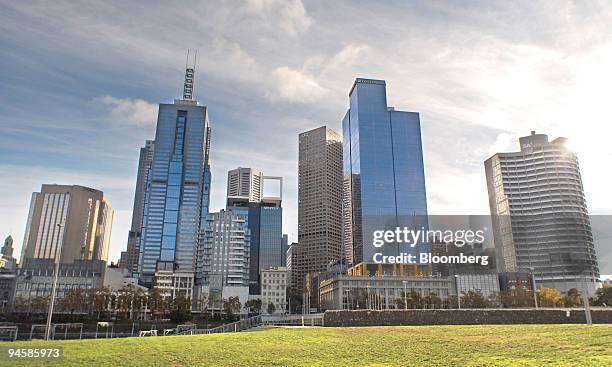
{"points": [[457, 288], [405, 295], [58, 256]]}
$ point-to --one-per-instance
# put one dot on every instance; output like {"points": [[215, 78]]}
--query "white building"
{"points": [[225, 249], [117, 278], [174, 283], [274, 289]]}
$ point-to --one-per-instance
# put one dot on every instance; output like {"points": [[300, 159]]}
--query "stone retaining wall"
{"points": [[464, 317]]}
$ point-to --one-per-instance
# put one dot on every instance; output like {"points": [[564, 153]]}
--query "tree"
{"points": [[271, 308], [494, 299], [73, 300], [294, 298], [573, 298], [517, 297], [603, 297], [97, 301], [414, 299], [473, 299], [39, 304], [214, 301], [128, 299], [157, 303], [181, 309], [433, 301], [549, 297], [231, 307], [253, 305]]}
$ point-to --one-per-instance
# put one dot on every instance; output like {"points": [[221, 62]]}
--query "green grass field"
{"points": [[508, 345]]}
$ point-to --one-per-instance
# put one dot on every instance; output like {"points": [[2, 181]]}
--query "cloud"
{"points": [[305, 85], [290, 16], [295, 85], [130, 111]]}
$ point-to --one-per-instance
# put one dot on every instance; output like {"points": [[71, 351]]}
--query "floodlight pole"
{"points": [[54, 285], [457, 288], [533, 285]]}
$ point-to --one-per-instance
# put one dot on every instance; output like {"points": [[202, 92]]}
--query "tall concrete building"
{"points": [[297, 274], [129, 257], [7, 261], [77, 218], [226, 249], [383, 171], [7, 248], [177, 190], [244, 184], [264, 217], [320, 182], [539, 214]]}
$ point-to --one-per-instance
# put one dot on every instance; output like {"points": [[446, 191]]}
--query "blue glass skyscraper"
{"points": [[383, 170], [178, 187]]}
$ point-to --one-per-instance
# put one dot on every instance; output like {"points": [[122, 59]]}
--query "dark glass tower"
{"points": [[383, 171], [178, 187]]}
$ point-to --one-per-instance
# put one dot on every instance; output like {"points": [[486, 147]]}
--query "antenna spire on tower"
{"points": [[189, 78]]}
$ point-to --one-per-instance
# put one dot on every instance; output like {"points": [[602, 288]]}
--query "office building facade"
{"points": [[178, 188], [320, 181], [7, 261], [129, 257], [35, 278], [297, 274], [77, 218], [225, 250], [383, 171], [539, 214], [264, 218], [380, 293], [244, 184], [274, 283]]}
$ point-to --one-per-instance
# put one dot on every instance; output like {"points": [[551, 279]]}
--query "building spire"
{"points": [[189, 77]]}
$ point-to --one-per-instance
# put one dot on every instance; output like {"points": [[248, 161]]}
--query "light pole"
{"points": [[457, 288], [533, 285], [405, 295], [58, 256]]}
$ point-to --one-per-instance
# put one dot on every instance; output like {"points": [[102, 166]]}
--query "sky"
{"points": [[80, 83]]}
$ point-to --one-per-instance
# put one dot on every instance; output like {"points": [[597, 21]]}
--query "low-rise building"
{"points": [[117, 278], [274, 289], [485, 284], [7, 289], [382, 292], [172, 284], [35, 279]]}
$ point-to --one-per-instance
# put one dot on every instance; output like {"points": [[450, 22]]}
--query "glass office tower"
{"points": [[177, 193], [383, 170]]}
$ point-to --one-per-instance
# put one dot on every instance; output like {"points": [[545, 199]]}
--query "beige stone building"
{"points": [[320, 181], [75, 217]]}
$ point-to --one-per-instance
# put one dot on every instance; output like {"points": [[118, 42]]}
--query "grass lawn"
{"points": [[489, 345]]}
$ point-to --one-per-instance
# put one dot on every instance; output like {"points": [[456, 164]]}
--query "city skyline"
{"points": [[299, 93]]}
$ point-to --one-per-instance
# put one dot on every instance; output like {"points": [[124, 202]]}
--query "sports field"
{"points": [[507, 345]]}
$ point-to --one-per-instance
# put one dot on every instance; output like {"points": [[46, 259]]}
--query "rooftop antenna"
{"points": [[189, 77]]}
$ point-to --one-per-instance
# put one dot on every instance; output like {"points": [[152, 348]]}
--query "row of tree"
{"points": [[133, 303], [519, 297]]}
